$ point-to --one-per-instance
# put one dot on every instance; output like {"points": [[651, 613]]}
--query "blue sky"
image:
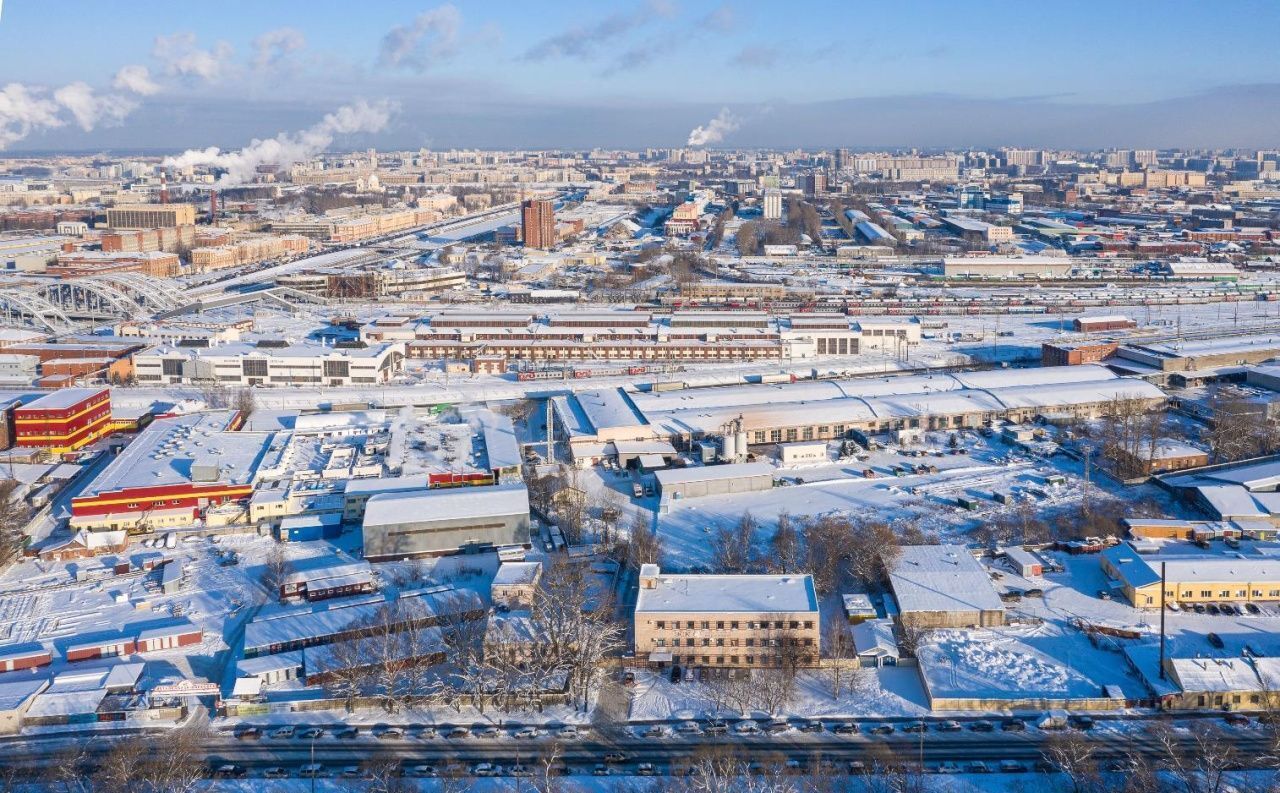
{"points": [[572, 73]]}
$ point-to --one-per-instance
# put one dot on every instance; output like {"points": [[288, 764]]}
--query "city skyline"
{"points": [[640, 74]]}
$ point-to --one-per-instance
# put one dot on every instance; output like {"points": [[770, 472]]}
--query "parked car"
{"points": [[484, 769], [881, 729], [311, 771], [915, 726], [807, 726], [747, 728], [978, 767], [1212, 608], [311, 733], [645, 769], [519, 770], [1252, 608], [849, 728], [421, 771], [347, 733], [458, 732], [390, 734], [1215, 640], [486, 731], [948, 767], [276, 772], [568, 731], [1198, 608], [1236, 719], [777, 728], [249, 733], [283, 732], [230, 771], [688, 728], [716, 727], [982, 725], [628, 678], [656, 731], [615, 757], [1013, 725], [527, 731], [1012, 766], [949, 726], [1081, 722]]}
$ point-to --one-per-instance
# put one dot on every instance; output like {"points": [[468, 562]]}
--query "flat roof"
{"points": [[459, 503], [712, 473], [729, 594], [942, 578], [165, 452], [63, 398]]}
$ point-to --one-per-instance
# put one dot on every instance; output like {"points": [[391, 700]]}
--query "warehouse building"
{"points": [[164, 479], [713, 480], [726, 621], [65, 420], [438, 522], [943, 586], [151, 216], [1007, 267]]}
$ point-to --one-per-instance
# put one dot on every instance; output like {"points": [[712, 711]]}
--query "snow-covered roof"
{"points": [[728, 594], [15, 693], [609, 408], [386, 484], [165, 452], [711, 473], [517, 573], [62, 399], [941, 578], [1215, 674], [875, 637], [1185, 562], [462, 503]]}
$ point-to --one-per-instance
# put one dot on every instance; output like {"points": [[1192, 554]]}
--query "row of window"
{"points": [[733, 625], [735, 643], [749, 660]]}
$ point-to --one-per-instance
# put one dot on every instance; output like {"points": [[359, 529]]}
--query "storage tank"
{"points": [[740, 445], [729, 447]]}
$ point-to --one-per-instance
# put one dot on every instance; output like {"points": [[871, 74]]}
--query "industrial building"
{"points": [[943, 586], [438, 522], [64, 420], [150, 216], [726, 621], [1241, 572], [713, 480], [286, 363], [1007, 267]]}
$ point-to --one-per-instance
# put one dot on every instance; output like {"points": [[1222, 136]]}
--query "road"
{"points": [[582, 756]]}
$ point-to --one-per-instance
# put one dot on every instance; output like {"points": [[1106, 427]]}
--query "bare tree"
{"points": [[13, 519], [839, 650], [244, 402], [1076, 758], [274, 569], [732, 546]]}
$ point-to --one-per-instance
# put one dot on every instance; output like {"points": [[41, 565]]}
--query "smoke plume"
{"points": [[285, 149], [714, 131]]}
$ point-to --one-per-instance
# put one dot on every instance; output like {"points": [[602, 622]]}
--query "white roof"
{"points": [[942, 578], [875, 637], [729, 594], [711, 473], [460, 503], [517, 573], [1216, 674]]}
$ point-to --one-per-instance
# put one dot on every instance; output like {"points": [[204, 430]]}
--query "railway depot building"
{"points": [[64, 420], [726, 621], [831, 409], [684, 336]]}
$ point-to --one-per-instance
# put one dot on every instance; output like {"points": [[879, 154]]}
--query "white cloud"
{"points": [[714, 131], [182, 57], [135, 79], [431, 38], [272, 47], [90, 109], [287, 148], [23, 111]]}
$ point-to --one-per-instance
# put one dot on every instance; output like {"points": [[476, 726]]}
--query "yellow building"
{"points": [[1240, 572], [151, 216]]}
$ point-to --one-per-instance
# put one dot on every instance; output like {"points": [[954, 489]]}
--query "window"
{"points": [[719, 659], [689, 624], [734, 625], [706, 642], [838, 430], [719, 625], [337, 368], [706, 625], [775, 436], [751, 659], [733, 659], [808, 623], [760, 436], [719, 642], [1206, 593], [751, 642], [675, 642], [777, 624], [661, 624], [661, 642], [795, 624], [254, 367]]}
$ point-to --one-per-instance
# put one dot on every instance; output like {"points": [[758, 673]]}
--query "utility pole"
{"points": [[1162, 610]]}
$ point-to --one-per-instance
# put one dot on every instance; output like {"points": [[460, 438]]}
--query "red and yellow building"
{"points": [[65, 420]]}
